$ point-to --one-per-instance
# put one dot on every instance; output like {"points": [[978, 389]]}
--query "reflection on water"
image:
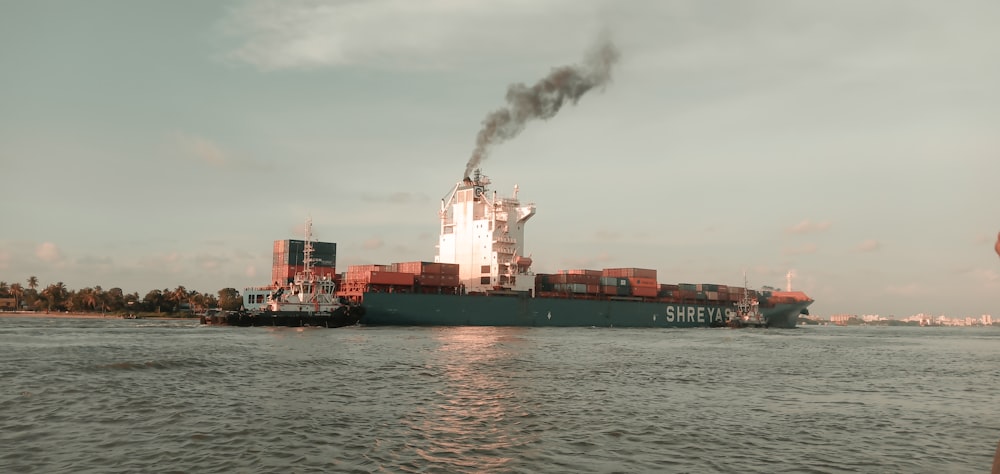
{"points": [[477, 411]]}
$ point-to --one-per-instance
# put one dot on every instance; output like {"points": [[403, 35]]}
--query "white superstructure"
{"points": [[484, 235]]}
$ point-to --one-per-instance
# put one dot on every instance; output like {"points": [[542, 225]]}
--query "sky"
{"points": [[852, 144]]}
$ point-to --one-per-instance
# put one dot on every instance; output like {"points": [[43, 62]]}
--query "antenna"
{"points": [[788, 280]]}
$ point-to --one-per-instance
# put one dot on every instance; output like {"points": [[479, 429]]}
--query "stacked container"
{"points": [[289, 259], [401, 277], [432, 277], [641, 281]]}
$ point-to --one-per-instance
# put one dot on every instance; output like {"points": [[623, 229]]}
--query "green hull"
{"points": [[408, 309], [784, 315]]}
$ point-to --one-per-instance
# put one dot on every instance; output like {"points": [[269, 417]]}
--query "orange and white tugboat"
{"points": [[309, 300]]}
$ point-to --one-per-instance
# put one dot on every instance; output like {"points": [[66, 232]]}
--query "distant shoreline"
{"points": [[55, 315]]}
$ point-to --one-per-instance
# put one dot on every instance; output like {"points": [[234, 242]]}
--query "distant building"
{"points": [[8, 304], [841, 319]]}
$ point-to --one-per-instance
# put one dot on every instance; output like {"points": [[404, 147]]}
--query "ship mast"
{"points": [[307, 249]]}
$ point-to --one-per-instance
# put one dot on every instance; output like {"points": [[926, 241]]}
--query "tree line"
{"points": [[57, 298]]}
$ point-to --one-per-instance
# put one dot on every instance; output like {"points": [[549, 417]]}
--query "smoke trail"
{"points": [[544, 99]]}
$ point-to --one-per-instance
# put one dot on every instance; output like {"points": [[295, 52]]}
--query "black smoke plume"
{"points": [[544, 99]]}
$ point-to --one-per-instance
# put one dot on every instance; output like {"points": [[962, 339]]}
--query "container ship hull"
{"points": [[410, 309]]}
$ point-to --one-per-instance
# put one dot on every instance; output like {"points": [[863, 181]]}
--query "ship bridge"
{"points": [[484, 234]]}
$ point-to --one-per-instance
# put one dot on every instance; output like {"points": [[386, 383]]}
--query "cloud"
{"points": [[373, 244], [394, 34], [986, 239], [807, 226], [869, 245], [202, 149], [988, 278], [306, 34], [211, 262], [802, 249], [48, 252], [169, 263], [605, 235]]}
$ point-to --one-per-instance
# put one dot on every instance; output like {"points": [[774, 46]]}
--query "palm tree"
{"points": [[100, 298], [153, 300], [18, 292], [3, 288], [178, 296], [32, 282], [52, 295], [89, 298], [114, 299]]}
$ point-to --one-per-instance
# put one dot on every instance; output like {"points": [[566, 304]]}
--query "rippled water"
{"points": [[173, 396]]}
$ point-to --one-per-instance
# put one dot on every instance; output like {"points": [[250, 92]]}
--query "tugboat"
{"points": [[747, 312], [309, 300]]}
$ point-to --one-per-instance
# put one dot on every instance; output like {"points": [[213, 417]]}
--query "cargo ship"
{"points": [[482, 276]]}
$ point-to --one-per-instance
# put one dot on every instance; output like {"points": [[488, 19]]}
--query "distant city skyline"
{"points": [[151, 145]]}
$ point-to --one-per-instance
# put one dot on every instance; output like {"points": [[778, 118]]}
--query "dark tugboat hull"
{"points": [[294, 319], [339, 318]]}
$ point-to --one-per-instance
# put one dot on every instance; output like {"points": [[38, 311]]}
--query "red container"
{"points": [[428, 279], [415, 268], [643, 282], [582, 272], [367, 268], [630, 272], [391, 278], [644, 291]]}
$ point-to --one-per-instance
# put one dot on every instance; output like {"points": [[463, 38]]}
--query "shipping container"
{"points": [[391, 278], [614, 281], [596, 273], [292, 252], [642, 282], [427, 279], [645, 291], [580, 278], [366, 269], [630, 272], [571, 288]]}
